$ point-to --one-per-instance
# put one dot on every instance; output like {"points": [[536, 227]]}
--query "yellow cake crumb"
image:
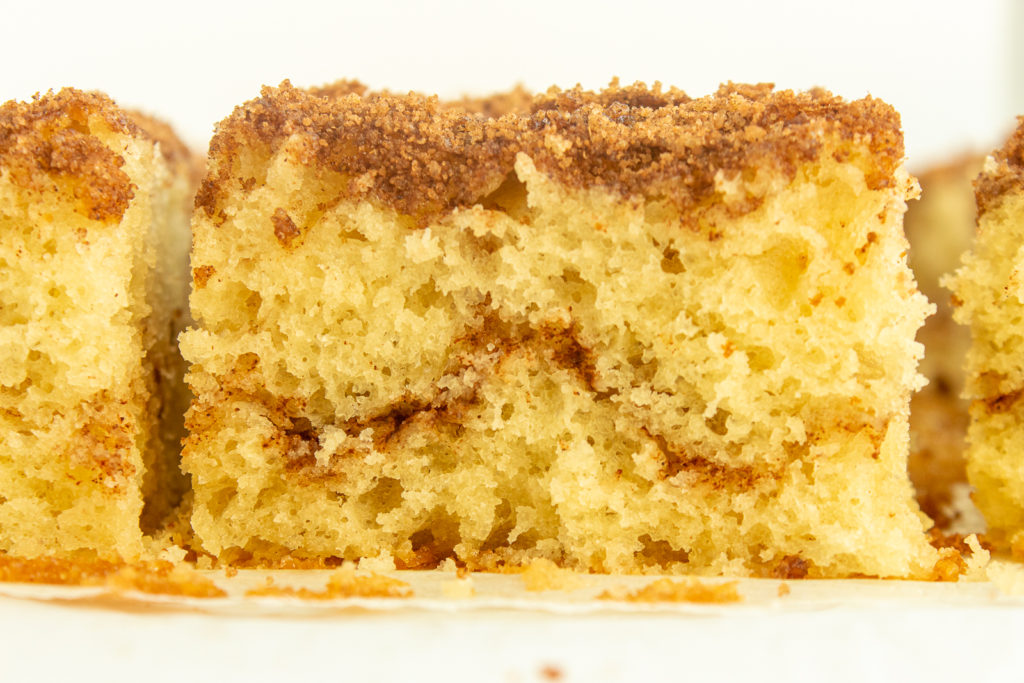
{"points": [[544, 575]]}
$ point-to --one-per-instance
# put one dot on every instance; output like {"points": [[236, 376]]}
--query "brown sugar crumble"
{"points": [[284, 227], [50, 140], [1008, 174], [791, 567], [667, 590], [425, 158]]}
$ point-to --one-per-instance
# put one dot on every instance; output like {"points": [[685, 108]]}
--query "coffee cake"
{"points": [[622, 331]]}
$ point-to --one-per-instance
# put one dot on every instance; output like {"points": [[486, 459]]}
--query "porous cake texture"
{"points": [[623, 331], [93, 245], [989, 297], [940, 228]]}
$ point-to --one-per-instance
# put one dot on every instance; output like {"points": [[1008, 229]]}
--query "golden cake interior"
{"points": [[90, 290], [624, 331]]}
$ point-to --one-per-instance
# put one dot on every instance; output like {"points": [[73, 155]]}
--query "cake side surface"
{"points": [[166, 289], [940, 227], [80, 189], [988, 298], [612, 373]]}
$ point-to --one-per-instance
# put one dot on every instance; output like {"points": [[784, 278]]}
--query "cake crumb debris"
{"points": [[155, 577], [179, 580], [545, 575], [667, 590], [978, 560], [550, 672], [343, 583]]}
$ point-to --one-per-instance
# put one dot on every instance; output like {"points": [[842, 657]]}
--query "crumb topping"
{"points": [[1007, 175], [676, 150], [49, 138], [424, 158], [405, 150], [519, 100]]}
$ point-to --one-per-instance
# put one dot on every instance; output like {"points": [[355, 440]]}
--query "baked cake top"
{"points": [[54, 137], [424, 157], [1005, 175]]}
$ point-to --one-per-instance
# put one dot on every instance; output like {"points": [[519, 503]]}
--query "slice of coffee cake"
{"points": [[624, 331], [93, 241], [989, 296]]}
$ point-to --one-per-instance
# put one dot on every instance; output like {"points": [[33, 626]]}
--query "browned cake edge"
{"points": [[1007, 175]]}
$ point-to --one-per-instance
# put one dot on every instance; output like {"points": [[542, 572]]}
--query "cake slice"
{"points": [[940, 228], [989, 297], [623, 331], [94, 210]]}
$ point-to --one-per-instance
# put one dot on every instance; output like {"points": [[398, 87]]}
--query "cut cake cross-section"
{"points": [[94, 211], [625, 331]]}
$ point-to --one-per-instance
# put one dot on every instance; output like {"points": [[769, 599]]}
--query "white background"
{"points": [[950, 68]]}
